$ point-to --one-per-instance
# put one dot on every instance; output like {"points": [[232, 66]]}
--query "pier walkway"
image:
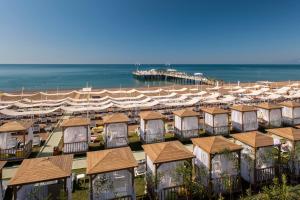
{"points": [[172, 75]]}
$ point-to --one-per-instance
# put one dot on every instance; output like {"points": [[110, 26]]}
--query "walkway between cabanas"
{"points": [[53, 140]]}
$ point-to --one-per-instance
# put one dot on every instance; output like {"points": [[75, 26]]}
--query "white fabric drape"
{"points": [[237, 120], [224, 164], [116, 134], [169, 175], [75, 134], [189, 123], [177, 121], [250, 121], [117, 184], [155, 127]]}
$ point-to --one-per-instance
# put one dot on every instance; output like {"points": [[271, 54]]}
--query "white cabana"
{"points": [[186, 124], [152, 127], [244, 118], [269, 115], [40, 178], [217, 164], [115, 130], [258, 157], [163, 160], [111, 173], [291, 113], [76, 135], [216, 121], [289, 138], [11, 149]]}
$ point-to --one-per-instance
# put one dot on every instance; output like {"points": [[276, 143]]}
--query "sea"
{"points": [[44, 77]]}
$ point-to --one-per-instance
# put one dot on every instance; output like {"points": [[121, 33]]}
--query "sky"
{"points": [[150, 31]]}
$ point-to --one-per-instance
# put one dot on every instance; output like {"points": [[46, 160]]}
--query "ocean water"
{"points": [[68, 76]]}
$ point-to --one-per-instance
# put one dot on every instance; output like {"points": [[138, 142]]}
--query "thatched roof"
{"points": [[16, 126], [115, 118], [290, 104], [76, 121], [243, 108], [215, 144], [185, 113], [167, 152], [214, 110], [43, 169], [254, 139], [288, 133], [151, 115], [110, 160], [269, 106]]}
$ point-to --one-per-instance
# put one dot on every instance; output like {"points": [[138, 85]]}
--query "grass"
{"points": [[139, 185]]}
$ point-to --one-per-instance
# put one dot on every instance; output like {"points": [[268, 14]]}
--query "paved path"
{"points": [[52, 141]]}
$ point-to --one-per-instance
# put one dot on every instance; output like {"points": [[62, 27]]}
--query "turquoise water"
{"points": [[62, 76]]}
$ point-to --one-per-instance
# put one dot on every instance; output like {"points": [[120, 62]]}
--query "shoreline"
{"points": [[273, 84]]}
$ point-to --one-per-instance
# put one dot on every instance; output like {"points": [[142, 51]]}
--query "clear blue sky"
{"points": [[149, 31]]}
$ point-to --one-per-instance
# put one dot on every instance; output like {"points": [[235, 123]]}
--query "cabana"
{"points": [[216, 121], [258, 157], [42, 178], [269, 115], [152, 127], [217, 164], [290, 113], [2, 163], [244, 118], [186, 124], [290, 149], [162, 162], [115, 130], [76, 135], [16, 140], [111, 173]]}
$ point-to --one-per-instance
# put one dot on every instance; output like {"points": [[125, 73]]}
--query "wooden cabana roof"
{"points": [[16, 126], [215, 144], [43, 169], [214, 110], [151, 115], [185, 113], [76, 121], [243, 108], [254, 139], [269, 106], [110, 160], [115, 118], [288, 133], [2, 163], [167, 152], [290, 104]]}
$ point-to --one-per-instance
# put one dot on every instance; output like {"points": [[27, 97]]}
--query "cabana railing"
{"points": [[227, 184], [186, 134], [221, 130], [264, 175], [116, 142], [290, 121], [127, 197], [16, 153], [174, 193], [76, 147], [152, 138]]}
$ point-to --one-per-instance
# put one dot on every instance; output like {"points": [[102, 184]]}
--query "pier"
{"points": [[173, 76]]}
